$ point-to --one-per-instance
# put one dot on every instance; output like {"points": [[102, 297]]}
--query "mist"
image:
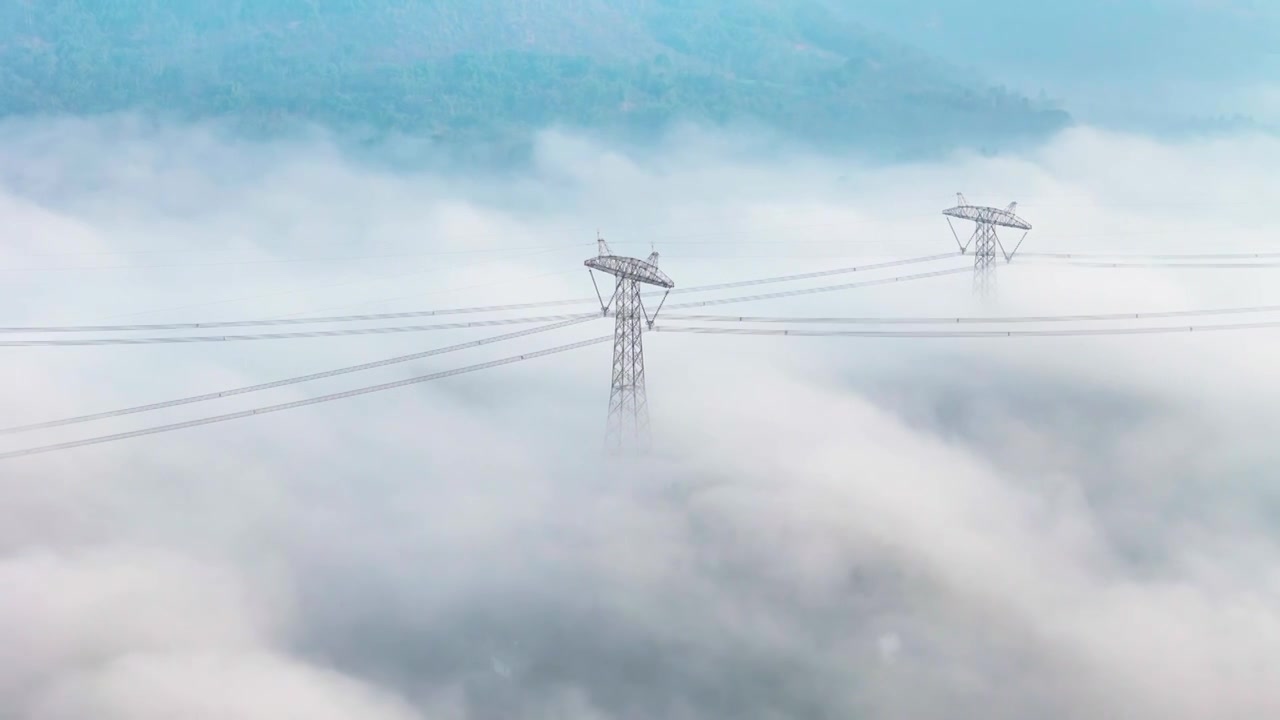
{"points": [[878, 528]]}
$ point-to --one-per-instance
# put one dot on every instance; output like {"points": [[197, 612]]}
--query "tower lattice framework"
{"points": [[628, 424], [984, 261], [627, 428], [985, 241]]}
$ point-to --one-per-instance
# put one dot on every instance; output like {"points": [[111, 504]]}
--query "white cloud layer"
{"points": [[1051, 528]]}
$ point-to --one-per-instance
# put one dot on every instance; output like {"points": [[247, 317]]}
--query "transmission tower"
{"points": [[628, 425], [985, 240]]}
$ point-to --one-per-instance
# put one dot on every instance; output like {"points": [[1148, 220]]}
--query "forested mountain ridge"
{"points": [[459, 69]]}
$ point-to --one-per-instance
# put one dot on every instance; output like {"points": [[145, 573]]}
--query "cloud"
{"points": [[142, 633], [888, 528]]}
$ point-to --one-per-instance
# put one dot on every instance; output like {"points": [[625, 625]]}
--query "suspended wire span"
{"points": [[327, 286], [310, 313], [300, 403], [291, 381], [995, 320], [822, 289], [1157, 264], [812, 275], [292, 260], [1137, 256], [291, 336], [159, 327], [1080, 332]]}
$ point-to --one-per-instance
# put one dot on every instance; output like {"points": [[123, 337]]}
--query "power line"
{"points": [[290, 381], [665, 240], [811, 275], [288, 336], [328, 286], [437, 291], [1168, 256], [294, 260], [444, 238], [672, 241], [823, 289], [300, 403], [1158, 265], [650, 237], [975, 320], [1083, 332], [156, 327]]}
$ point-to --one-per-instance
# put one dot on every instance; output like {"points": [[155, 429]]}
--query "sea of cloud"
{"points": [[878, 528]]}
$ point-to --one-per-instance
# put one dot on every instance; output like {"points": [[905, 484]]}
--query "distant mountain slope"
{"points": [[1146, 65], [484, 68]]}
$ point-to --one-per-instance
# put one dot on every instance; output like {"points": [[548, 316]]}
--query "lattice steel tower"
{"points": [[628, 425], [985, 240]]}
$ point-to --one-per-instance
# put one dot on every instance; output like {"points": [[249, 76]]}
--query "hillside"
{"points": [[471, 69]]}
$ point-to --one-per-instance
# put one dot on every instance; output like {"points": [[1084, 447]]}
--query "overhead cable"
{"points": [[822, 289], [292, 260], [1074, 332], [300, 403], [292, 381], [1156, 264], [187, 339], [992, 320], [158, 327], [811, 275], [313, 288], [1138, 256]]}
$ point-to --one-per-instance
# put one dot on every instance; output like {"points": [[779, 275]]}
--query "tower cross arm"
{"points": [[631, 269], [988, 216]]}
